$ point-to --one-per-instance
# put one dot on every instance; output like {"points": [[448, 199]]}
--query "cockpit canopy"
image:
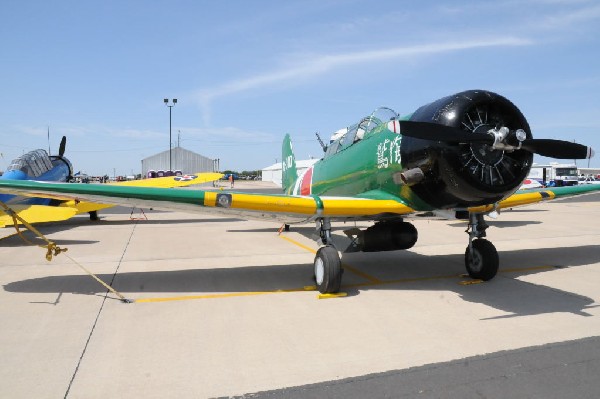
{"points": [[34, 163], [345, 137]]}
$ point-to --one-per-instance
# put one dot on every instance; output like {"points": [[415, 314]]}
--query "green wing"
{"points": [[533, 196], [281, 207], [286, 208]]}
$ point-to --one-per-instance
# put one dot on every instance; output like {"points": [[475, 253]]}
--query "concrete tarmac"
{"points": [[223, 306]]}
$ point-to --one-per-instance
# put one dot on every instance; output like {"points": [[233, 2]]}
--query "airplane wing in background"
{"points": [[172, 181], [69, 207], [37, 214]]}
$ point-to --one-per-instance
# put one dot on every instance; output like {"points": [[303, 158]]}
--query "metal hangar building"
{"points": [[182, 160]]}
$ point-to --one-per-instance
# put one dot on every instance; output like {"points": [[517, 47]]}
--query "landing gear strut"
{"points": [[328, 265], [481, 257]]}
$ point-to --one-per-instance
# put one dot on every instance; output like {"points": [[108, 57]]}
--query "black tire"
{"points": [[328, 270], [483, 265]]}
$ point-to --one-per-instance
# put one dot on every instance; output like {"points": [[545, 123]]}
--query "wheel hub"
{"points": [[475, 261], [319, 271]]}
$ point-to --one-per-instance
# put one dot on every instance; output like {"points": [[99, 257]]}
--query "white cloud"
{"points": [[571, 18], [317, 65], [228, 136]]}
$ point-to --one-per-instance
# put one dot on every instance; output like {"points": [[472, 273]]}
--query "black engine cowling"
{"points": [[462, 175]]}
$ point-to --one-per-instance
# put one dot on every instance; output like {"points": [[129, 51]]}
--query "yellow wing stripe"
{"points": [[261, 203], [362, 207], [526, 198], [210, 198], [517, 200], [334, 207], [295, 205]]}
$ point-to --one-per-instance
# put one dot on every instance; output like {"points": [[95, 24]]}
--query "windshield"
{"points": [[377, 117], [346, 137]]}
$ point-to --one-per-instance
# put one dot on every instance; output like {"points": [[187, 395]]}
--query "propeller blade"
{"points": [[437, 132], [61, 148], [558, 149]]}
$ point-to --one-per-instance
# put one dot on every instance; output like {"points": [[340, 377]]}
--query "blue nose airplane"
{"points": [[39, 166]]}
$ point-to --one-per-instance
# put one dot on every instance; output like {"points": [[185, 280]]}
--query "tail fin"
{"points": [[289, 174]]}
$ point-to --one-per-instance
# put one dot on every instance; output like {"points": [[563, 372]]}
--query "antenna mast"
{"points": [[323, 146]]}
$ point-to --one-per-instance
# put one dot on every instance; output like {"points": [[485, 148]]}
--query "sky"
{"points": [[245, 73]]}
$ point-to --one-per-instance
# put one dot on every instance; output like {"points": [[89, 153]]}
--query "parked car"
{"points": [[588, 180]]}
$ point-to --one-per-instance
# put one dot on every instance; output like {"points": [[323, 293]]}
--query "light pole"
{"points": [[166, 100]]}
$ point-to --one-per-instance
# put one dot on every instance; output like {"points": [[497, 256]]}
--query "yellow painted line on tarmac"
{"points": [[307, 248], [344, 265], [331, 296], [526, 269], [401, 280], [446, 277], [224, 295], [372, 281], [361, 273], [470, 282]]}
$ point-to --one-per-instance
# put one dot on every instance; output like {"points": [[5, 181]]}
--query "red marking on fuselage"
{"points": [[306, 182], [394, 126]]}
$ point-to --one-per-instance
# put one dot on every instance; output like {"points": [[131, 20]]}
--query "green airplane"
{"points": [[463, 156]]}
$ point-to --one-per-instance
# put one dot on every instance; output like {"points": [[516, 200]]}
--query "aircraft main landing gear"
{"points": [[481, 257], [328, 265]]}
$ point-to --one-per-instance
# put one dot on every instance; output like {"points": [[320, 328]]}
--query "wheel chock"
{"points": [[329, 296], [310, 288]]}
